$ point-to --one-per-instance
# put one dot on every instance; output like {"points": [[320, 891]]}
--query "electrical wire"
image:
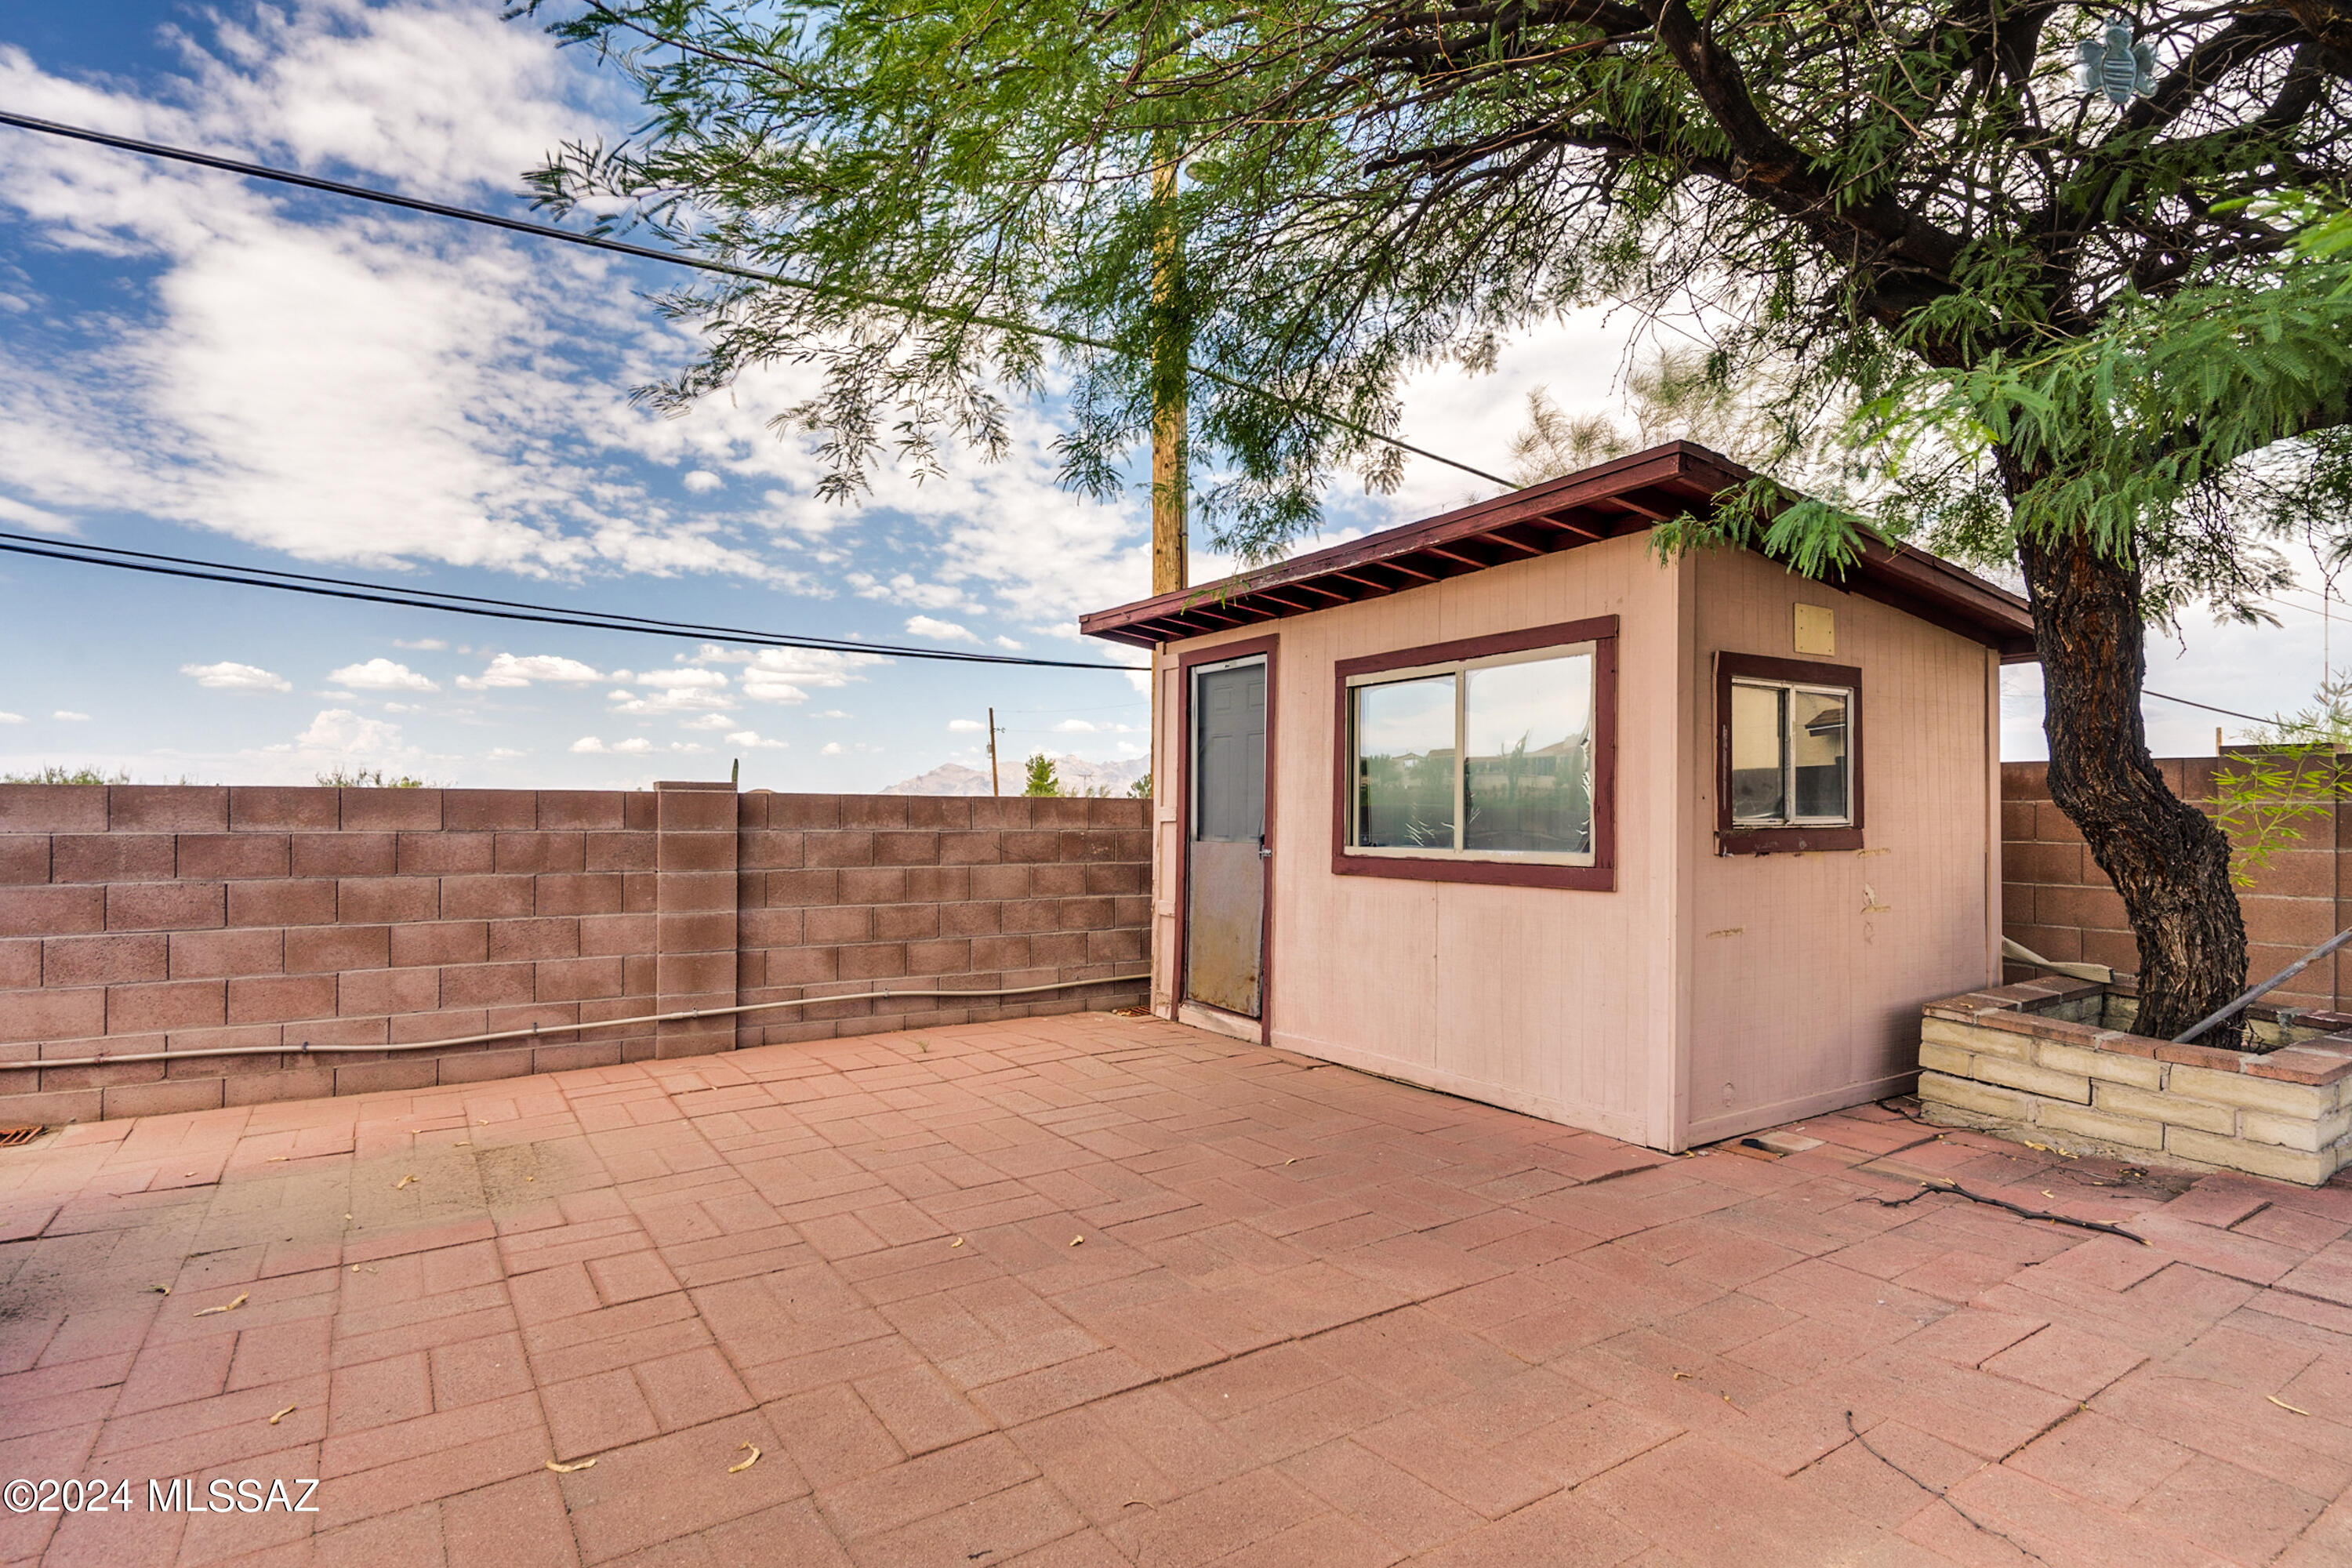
{"points": [[497, 609], [646, 253], [2208, 707]]}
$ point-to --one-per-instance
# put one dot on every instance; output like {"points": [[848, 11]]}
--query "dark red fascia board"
{"points": [[1561, 514]]}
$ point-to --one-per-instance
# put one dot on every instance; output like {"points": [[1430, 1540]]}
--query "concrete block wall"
{"points": [[2034, 1060], [2057, 903], [177, 919]]}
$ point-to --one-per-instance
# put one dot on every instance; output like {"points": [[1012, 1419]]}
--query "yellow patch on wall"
{"points": [[1816, 629]]}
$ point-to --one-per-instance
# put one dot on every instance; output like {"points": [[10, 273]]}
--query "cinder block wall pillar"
{"points": [[694, 934]]}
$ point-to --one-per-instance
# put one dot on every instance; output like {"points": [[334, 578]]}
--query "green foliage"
{"points": [[2264, 797], [1041, 779], [54, 774], [1369, 187], [342, 777], [1141, 788]]}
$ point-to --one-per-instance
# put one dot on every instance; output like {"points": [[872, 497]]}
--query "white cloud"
{"points": [[830, 713], [339, 382], [708, 721], [339, 736], [676, 692], [943, 631], [11, 717], [677, 677], [504, 754], [381, 675], [227, 676], [635, 746], [751, 738], [784, 675], [420, 645], [1008, 642], [1077, 727], [832, 749], [903, 589], [507, 671], [71, 717], [965, 724], [701, 481]]}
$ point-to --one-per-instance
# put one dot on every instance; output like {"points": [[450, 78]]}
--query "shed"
{"points": [[1502, 804]]}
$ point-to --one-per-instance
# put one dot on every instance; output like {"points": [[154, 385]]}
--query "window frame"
{"points": [[1595, 871], [1799, 835]]}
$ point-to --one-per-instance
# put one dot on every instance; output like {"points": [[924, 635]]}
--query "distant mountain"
{"points": [[1077, 776]]}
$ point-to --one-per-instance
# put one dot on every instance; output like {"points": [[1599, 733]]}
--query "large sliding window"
{"points": [[1481, 761]]}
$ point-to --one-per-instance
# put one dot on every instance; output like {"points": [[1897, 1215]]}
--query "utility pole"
{"points": [[994, 788], [1170, 461], [1170, 355]]}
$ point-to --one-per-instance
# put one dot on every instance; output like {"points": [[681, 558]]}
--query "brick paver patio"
{"points": [[1091, 1289]]}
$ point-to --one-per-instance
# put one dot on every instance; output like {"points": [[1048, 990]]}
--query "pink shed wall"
{"points": [[1543, 1000], [1807, 970], [1617, 1011]]}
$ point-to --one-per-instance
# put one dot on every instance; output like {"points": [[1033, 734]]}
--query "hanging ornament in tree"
{"points": [[2115, 65]]}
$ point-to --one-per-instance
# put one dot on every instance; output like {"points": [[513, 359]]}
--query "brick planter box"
{"points": [[2053, 1061]]}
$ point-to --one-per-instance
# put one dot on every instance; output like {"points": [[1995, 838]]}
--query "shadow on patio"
{"points": [[1093, 1289]]}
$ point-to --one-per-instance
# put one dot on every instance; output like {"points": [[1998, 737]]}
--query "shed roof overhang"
{"points": [[1629, 495]]}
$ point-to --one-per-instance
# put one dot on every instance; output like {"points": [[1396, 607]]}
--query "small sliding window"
{"points": [[1486, 758], [1788, 740]]}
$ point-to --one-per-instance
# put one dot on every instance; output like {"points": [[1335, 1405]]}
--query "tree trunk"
{"points": [[2167, 859]]}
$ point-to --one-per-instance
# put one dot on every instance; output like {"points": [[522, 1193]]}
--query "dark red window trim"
{"points": [[1270, 648], [1599, 877], [1729, 837]]}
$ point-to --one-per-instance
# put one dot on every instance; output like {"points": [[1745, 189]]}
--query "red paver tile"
{"points": [[678, 1485], [2066, 1361], [587, 1415], [1407, 1514], [518, 1523], [1257, 1235]]}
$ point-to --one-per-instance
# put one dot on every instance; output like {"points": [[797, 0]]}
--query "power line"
{"points": [[494, 609], [2226, 712], [644, 253]]}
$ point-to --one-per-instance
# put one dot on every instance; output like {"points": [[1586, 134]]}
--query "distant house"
{"points": [[1503, 804]]}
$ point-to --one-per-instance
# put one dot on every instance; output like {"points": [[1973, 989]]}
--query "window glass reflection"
{"points": [[1404, 764], [1818, 735], [1527, 765], [1759, 757]]}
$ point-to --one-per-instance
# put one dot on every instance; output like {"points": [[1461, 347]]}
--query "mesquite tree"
{"points": [[1916, 203]]}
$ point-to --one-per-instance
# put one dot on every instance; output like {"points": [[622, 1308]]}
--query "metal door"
{"points": [[1224, 869]]}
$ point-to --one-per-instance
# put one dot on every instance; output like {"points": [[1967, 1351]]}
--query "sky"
{"points": [[201, 366]]}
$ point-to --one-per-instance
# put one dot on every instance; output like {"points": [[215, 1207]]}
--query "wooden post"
{"points": [[994, 788]]}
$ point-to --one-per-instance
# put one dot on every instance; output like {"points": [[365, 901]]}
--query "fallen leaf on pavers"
{"points": [[277, 1159], [402, 1183], [2282, 1405], [1141, 1502], [482, 1124], [957, 1242], [1292, 1161], [737, 1470], [562, 1469], [284, 1413], [161, 1289], [1680, 1375], [1077, 1241], [233, 1306]]}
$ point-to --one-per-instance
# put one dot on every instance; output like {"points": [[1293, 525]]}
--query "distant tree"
{"points": [[342, 777], [1042, 778], [1685, 394], [54, 774], [1141, 788]]}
